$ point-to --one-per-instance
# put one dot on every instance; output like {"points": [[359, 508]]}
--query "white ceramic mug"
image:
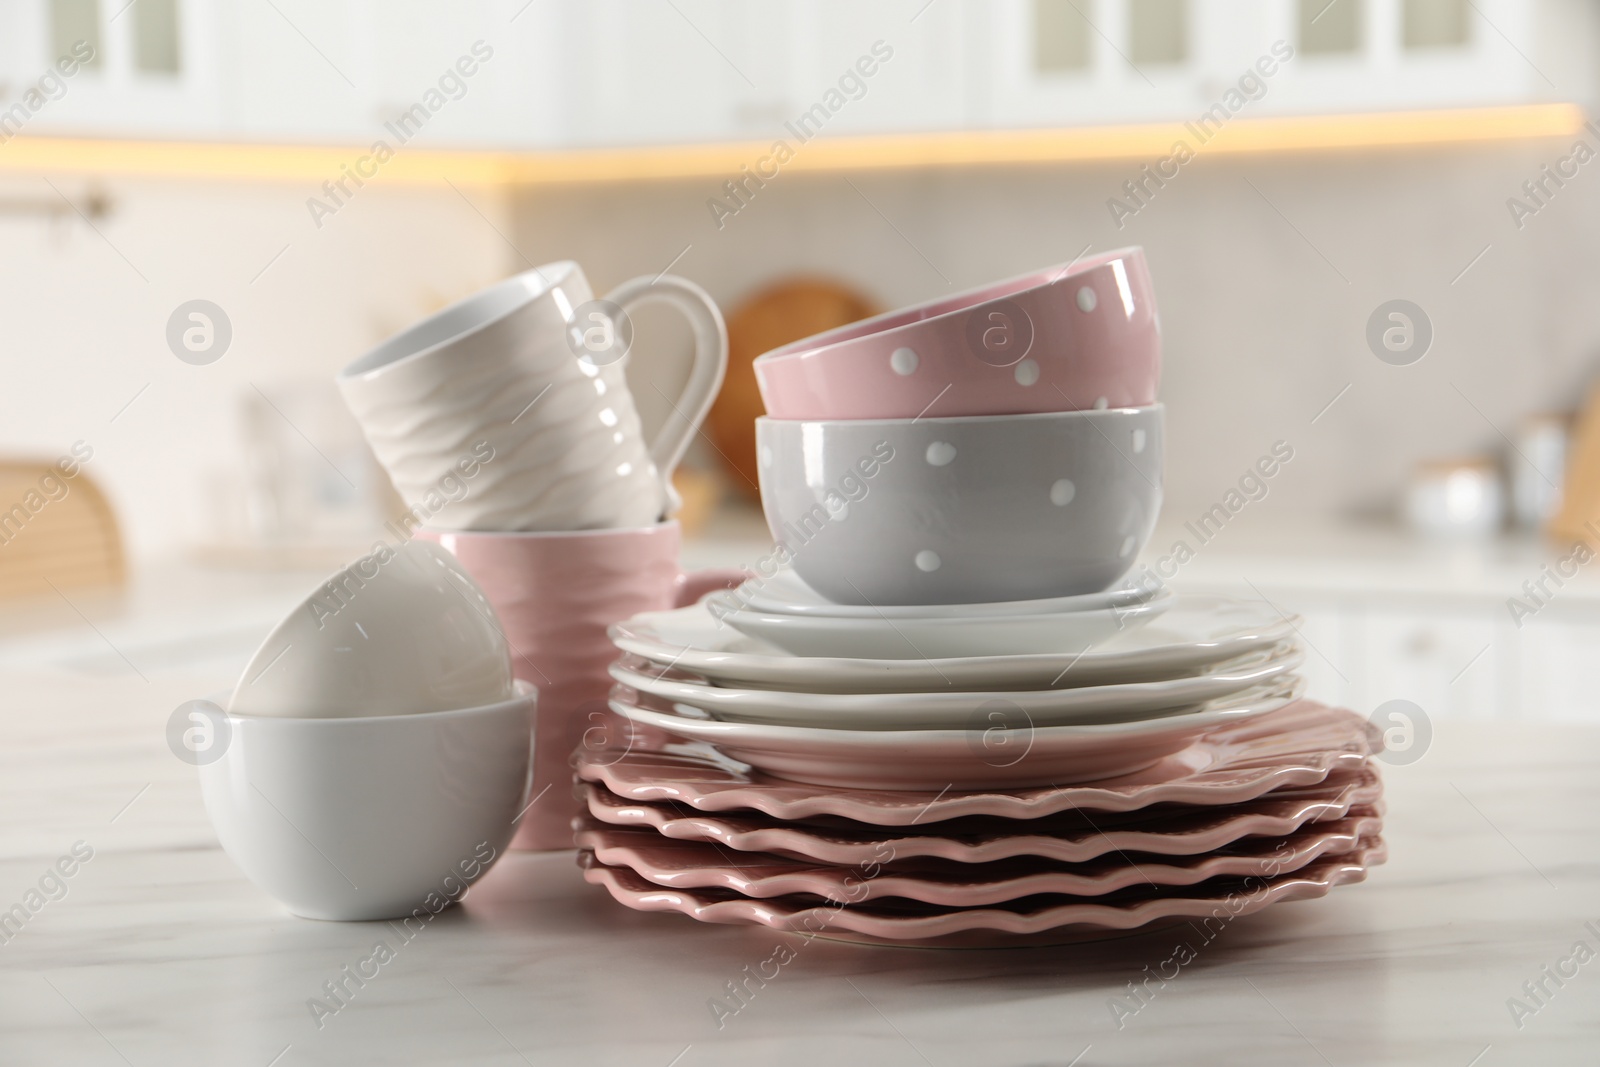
{"points": [[509, 410]]}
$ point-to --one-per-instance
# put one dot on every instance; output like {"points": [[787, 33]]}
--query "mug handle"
{"points": [[705, 374], [690, 587]]}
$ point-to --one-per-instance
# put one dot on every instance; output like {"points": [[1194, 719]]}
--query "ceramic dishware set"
{"points": [[385, 745], [940, 714]]}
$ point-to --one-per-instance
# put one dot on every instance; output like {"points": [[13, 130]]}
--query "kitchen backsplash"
{"points": [[1267, 270]]}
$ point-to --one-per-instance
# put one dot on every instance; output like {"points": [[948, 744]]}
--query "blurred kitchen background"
{"points": [[1338, 155]]}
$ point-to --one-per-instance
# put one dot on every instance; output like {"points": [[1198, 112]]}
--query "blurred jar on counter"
{"points": [[1539, 468], [1456, 499]]}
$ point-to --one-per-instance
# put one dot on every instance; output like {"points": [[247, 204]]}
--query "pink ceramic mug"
{"points": [[555, 594]]}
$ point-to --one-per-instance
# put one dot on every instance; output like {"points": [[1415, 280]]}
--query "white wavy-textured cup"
{"points": [[372, 818], [486, 417]]}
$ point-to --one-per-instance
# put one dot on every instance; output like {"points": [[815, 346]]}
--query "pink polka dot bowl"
{"points": [[1073, 337]]}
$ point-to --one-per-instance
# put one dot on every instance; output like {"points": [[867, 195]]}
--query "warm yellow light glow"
{"points": [[316, 164]]}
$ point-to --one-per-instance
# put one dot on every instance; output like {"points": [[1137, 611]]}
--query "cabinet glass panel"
{"points": [[72, 21], [1435, 24], [1158, 31], [1330, 27], [1061, 33], [155, 36]]}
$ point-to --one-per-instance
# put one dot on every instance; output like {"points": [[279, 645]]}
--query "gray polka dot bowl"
{"points": [[1075, 336], [962, 510]]}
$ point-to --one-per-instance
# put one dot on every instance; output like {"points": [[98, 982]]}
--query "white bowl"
{"points": [[968, 510], [396, 634], [876, 637], [373, 817]]}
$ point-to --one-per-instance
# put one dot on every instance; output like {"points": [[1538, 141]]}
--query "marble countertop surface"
{"points": [[160, 952]]}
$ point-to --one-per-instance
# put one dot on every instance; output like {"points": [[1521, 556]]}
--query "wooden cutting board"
{"points": [[1579, 516], [54, 530], [782, 312]]}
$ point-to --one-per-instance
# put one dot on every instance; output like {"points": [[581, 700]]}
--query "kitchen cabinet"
{"points": [[925, 83], [667, 73], [1454, 657], [1069, 62], [113, 93], [652, 72], [296, 71], [1388, 615], [1441, 658], [1558, 668]]}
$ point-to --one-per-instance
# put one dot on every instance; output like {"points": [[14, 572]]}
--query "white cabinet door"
{"points": [[302, 71], [1559, 668], [1047, 63], [881, 67], [1448, 660], [1499, 56], [154, 70], [681, 72], [1077, 62]]}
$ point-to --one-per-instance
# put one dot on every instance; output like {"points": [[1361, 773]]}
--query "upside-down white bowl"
{"points": [[401, 630]]}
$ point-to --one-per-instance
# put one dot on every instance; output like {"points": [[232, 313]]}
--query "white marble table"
{"points": [[160, 952]]}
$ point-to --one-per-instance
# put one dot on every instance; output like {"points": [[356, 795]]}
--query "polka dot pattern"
{"points": [[1027, 372], [1086, 299], [903, 361], [940, 454], [927, 561], [1062, 492]]}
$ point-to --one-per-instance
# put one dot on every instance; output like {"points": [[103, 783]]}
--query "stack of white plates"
{"points": [[807, 734]]}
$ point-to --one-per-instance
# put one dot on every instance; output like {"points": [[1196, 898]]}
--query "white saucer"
{"points": [[786, 593], [956, 710], [1197, 632], [953, 634]]}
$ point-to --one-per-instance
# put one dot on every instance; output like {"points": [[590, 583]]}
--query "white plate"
{"points": [[787, 594], [880, 637], [1002, 753], [956, 711], [1196, 632]]}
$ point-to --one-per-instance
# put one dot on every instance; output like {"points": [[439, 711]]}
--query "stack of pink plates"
{"points": [[1172, 772]]}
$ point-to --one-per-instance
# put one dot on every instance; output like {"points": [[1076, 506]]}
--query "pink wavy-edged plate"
{"points": [[1297, 745], [1036, 921], [697, 865], [980, 839]]}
